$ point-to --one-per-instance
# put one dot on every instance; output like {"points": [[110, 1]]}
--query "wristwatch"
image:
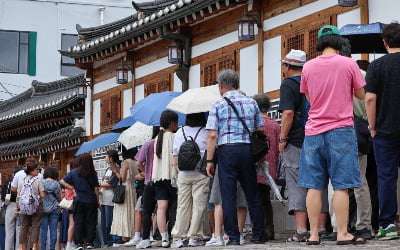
{"points": [[209, 161], [370, 128], [283, 139]]}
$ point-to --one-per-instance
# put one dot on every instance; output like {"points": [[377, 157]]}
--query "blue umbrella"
{"points": [[364, 38], [123, 124], [98, 142], [149, 109]]}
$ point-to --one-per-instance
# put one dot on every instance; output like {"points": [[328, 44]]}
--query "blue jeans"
{"points": [[49, 220], [333, 155], [106, 221], [387, 156], [235, 162]]}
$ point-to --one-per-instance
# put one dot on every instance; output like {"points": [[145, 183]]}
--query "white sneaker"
{"points": [[144, 244], [177, 244], [132, 242], [242, 240], [195, 243], [217, 241], [226, 239], [165, 243]]}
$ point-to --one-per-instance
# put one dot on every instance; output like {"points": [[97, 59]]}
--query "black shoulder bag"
{"points": [[119, 193], [259, 141]]}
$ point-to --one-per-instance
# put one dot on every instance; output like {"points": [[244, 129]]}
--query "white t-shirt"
{"points": [[107, 193], [18, 176], [201, 141]]}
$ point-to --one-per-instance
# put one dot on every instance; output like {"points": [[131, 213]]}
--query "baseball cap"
{"points": [[295, 57], [328, 30]]}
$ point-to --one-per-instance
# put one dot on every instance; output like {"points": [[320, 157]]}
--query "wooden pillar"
{"points": [[364, 19]]}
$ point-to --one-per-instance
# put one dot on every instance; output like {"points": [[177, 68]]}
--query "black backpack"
{"points": [[189, 153]]}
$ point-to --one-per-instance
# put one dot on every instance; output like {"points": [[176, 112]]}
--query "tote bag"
{"points": [[119, 193]]}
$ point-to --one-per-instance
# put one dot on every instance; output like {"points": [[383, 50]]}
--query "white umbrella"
{"points": [[195, 100], [136, 135]]}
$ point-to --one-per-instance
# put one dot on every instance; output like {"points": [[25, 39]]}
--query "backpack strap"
{"points": [[198, 131], [183, 132]]}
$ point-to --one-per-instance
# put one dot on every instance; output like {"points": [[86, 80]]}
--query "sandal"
{"points": [[354, 241], [296, 237]]}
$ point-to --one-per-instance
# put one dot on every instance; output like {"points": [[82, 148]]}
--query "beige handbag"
{"points": [[66, 204], [7, 199]]}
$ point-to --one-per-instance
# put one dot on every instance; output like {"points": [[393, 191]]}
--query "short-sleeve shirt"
{"points": [[145, 156], [290, 99], [223, 119], [383, 79], [329, 81], [17, 177], [84, 187], [201, 141], [53, 195], [107, 193], [37, 186]]}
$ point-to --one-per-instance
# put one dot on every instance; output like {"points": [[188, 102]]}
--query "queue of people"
{"points": [[316, 145]]}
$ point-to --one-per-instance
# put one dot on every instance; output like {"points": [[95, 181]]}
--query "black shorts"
{"points": [[164, 190]]}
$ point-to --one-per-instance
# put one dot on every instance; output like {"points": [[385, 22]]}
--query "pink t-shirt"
{"points": [[329, 81]]}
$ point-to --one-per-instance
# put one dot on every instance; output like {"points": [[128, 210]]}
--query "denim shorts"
{"points": [[333, 155]]}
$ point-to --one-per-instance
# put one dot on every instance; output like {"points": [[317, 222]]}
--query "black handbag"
{"points": [[259, 141], [202, 164], [364, 140], [119, 193]]}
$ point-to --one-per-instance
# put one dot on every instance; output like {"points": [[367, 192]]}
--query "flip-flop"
{"points": [[354, 241], [313, 242]]}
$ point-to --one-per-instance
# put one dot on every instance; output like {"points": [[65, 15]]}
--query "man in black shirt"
{"points": [[382, 105]]}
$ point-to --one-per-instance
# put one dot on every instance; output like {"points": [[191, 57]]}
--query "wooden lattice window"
{"points": [[312, 44], [110, 112], [211, 68], [158, 84], [295, 42]]}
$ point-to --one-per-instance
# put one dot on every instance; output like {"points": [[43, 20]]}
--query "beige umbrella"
{"points": [[136, 135], [195, 100]]}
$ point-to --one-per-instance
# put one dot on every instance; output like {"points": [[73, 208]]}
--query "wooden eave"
{"points": [[148, 31]]}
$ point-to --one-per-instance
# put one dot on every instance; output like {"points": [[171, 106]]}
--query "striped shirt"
{"points": [[223, 118]]}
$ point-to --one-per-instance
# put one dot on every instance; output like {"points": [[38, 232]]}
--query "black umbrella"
{"points": [[364, 38]]}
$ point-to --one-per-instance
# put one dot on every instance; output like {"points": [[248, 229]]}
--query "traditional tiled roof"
{"points": [[65, 137], [41, 98], [153, 20]]}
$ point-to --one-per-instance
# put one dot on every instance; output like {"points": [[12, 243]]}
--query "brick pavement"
{"points": [[279, 245]]}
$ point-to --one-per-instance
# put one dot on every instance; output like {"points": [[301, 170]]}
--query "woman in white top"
{"points": [[193, 187], [163, 173]]}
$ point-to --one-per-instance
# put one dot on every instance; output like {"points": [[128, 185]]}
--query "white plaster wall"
{"points": [[249, 70], [384, 11], [96, 117], [214, 44], [194, 76], [298, 13], [152, 67], [139, 92], [127, 102], [177, 84], [88, 111], [350, 17], [49, 19], [272, 64]]}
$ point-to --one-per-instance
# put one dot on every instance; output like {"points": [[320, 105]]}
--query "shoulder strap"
{"points": [[295, 78], [198, 131], [183, 132], [237, 113]]}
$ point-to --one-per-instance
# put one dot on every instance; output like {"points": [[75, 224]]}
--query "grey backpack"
{"points": [[28, 202]]}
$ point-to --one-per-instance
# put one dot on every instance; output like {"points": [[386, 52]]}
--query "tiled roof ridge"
{"points": [[92, 32], [152, 6], [145, 25], [64, 134], [40, 88]]}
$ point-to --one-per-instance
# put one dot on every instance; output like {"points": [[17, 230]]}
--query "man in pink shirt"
{"points": [[330, 146]]}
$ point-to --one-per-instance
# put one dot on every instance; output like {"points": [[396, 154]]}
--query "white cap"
{"points": [[295, 58]]}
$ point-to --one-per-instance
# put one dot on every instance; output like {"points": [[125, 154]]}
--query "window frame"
{"points": [[30, 53], [67, 64]]}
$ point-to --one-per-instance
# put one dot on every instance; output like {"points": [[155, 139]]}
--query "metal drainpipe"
{"points": [[101, 10]]}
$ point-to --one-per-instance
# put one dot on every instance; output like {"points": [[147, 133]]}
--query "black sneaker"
{"points": [[329, 237], [258, 240], [233, 243], [269, 236], [364, 233]]}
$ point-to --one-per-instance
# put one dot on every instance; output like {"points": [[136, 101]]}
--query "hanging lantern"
{"points": [[175, 53], [122, 74], [347, 3], [82, 90], [246, 28]]}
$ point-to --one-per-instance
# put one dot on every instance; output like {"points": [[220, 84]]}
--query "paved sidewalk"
{"points": [[279, 245]]}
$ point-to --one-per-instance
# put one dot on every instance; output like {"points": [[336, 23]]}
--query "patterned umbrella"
{"points": [[136, 135]]}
